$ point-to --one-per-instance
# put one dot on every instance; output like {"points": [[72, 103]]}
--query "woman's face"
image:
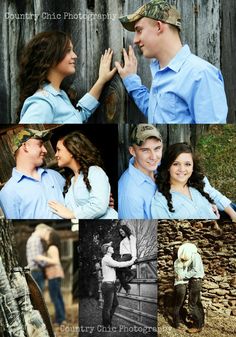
{"points": [[63, 156], [181, 169], [122, 232], [67, 66]]}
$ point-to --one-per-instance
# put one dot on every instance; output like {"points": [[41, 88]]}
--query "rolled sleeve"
{"points": [[88, 105], [219, 199]]}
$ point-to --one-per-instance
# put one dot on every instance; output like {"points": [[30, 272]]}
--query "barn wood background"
{"points": [[216, 244], [208, 27]]}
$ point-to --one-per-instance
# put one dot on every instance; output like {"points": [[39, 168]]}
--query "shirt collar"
{"points": [[19, 175], [138, 175], [176, 63], [48, 87]]}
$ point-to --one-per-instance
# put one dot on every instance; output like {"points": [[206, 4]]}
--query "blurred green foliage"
{"points": [[217, 151]]}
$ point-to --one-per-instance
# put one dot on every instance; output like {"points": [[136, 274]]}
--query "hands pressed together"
{"points": [[129, 67]]}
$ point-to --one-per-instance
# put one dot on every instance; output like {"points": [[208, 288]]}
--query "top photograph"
{"points": [[121, 61]]}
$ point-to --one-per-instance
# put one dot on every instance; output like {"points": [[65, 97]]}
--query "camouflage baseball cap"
{"points": [[155, 9], [105, 246], [142, 132], [25, 134]]}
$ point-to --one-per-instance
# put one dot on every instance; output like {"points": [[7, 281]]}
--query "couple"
{"points": [[189, 272], [172, 187], [43, 257], [37, 193], [184, 86], [121, 268]]}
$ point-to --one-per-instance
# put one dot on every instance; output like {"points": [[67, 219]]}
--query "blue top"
{"points": [[52, 106], [189, 90], [91, 204], [24, 197], [198, 207], [135, 192], [195, 269]]}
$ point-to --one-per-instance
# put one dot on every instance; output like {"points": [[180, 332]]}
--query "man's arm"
{"points": [[132, 82], [122, 264], [209, 104]]}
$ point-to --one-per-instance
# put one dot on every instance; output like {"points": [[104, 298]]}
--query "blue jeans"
{"points": [[39, 278], [180, 295], [110, 302], [195, 306], [54, 286]]}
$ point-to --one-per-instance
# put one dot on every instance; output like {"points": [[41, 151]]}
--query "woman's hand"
{"points": [[61, 210], [105, 72], [39, 258]]}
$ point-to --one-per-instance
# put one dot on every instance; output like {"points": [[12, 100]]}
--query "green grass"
{"points": [[217, 151]]}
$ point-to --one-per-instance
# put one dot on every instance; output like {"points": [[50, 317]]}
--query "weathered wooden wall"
{"points": [[208, 27]]}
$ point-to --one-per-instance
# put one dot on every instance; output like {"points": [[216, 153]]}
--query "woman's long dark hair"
{"points": [[54, 240], [44, 51], [127, 231], [84, 152], [163, 175]]}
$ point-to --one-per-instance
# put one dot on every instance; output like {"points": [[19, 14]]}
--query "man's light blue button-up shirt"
{"points": [[189, 90], [135, 192], [52, 106], [24, 197]]}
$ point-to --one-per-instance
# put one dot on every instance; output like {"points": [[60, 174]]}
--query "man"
{"points": [[189, 272], [26, 194], [34, 247], [108, 283], [137, 187], [185, 88]]}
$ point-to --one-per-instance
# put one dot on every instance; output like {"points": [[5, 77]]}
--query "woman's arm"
{"points": [[231, 213]]}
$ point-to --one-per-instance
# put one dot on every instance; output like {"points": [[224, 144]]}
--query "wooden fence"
{"points": [[208, 27], [140, 307]]}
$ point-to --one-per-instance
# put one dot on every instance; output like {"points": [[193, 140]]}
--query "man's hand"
{"points": [[130, 66]]}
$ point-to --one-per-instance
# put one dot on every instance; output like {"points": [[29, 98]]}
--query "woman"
{"points": [[87, 189], [128, 251], [54, 274], [46, 61], [181, 193]]}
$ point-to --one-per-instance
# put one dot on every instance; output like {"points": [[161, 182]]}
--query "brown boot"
{"points": [[194, 330]]}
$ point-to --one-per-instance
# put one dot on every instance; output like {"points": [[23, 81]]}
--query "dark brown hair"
{"points": [[84, 152], [44, 51], [163, 175]]}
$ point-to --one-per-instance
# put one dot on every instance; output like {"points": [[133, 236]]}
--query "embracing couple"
{"points": [[171, 186], [37, 193]]}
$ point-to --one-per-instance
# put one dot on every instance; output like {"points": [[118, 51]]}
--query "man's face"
{"points": [[146, 36], [36, 151], [147, 156], [110, 249]]}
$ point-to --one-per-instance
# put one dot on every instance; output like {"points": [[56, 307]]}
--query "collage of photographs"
{"points": [[117, 168]]}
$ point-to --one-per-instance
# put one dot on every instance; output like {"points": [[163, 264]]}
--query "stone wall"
{"points": [[217, 245]]}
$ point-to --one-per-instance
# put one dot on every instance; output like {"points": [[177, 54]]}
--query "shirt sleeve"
{"points": [[179, 270], [219, 199], [209, 104], [10, 204], [159, 207], [116, 264], [87, 104], [99, 196], [37, 109], [195, 268], [138, 92]]}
